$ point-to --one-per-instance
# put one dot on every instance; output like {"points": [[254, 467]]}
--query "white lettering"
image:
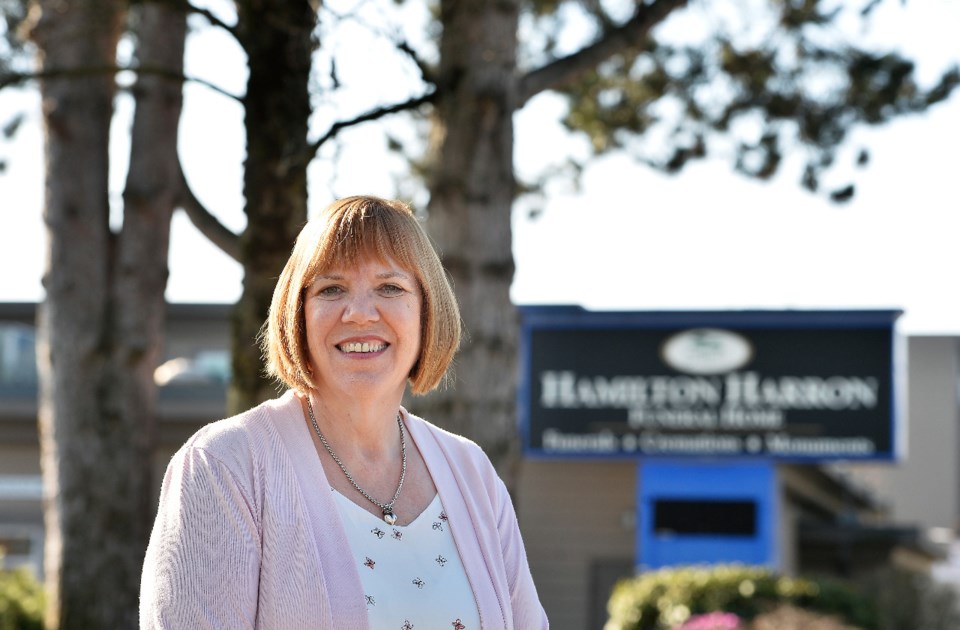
{"points": [[783, 444], [567, 390], [699, 443], [801, 392], [742, 390], [603, 442], [557, 390], [740, 418]]}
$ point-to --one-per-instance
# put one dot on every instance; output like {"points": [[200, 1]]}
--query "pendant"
{"points": [[390, 518]]}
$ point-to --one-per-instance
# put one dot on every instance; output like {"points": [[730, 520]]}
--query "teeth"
{"points": [[356, 346]]}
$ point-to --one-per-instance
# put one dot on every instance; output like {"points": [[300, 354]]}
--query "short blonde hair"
{"points": [[343, 233]]}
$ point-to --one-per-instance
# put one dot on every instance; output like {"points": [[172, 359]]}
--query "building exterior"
{"points": [[194, 379], [579, 517]]}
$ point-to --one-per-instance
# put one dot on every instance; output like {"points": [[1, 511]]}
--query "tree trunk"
{"points": [[141, 264], [100, 325], [471, 195], [277, 36]]}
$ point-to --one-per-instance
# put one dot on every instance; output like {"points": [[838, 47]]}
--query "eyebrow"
{"points": [[386, 275], [393, 274]]}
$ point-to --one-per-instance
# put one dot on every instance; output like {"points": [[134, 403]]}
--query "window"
{"points": [[705, 517], [18, 355]]}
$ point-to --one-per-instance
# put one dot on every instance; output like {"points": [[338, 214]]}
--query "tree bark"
{"points": [[151, 194], [277, 36], [472, 189], [100, 325]]}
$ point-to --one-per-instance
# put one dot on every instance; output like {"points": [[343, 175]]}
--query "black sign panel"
{"points": [[787, 385]]}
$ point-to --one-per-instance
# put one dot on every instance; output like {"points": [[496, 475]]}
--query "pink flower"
{"points": [[712, 621]]}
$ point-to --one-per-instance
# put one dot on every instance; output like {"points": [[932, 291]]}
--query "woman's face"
{"points": [[363, 328]]}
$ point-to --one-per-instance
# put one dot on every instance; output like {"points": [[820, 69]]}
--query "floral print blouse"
{"points": [[412, 575]]}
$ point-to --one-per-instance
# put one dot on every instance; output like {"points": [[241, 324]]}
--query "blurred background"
{"points": [[615, 155]]}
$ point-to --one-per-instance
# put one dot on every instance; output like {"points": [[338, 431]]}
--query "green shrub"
{"points": [[660, 599], [21, 601]]}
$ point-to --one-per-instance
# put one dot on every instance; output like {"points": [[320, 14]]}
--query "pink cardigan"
{"points": [[245, 538]]}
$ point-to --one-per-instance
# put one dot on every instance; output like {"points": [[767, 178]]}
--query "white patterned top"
{"points": [[412, 575]]}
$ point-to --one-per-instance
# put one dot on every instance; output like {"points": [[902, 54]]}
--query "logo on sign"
{"points": [[706, 351]]}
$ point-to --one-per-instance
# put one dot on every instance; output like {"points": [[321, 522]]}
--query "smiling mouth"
{"points": [[355, 347]]}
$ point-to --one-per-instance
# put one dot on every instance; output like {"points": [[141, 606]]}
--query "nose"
{"points": [[361, 308]]}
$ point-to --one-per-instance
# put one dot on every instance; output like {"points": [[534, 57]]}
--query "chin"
{"points": [[374, 384]]}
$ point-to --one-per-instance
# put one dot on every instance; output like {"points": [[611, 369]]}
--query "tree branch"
{"points": [[426, 73], [177, 76], [188, 8], [208, 225], [373, 114], [17, 78], [620, 38], [210, 17]]}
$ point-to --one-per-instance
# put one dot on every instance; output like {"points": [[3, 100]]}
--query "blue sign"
{"points": [[706, 513]]}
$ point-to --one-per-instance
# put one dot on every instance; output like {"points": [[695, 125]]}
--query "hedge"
{"points": [[21, 600], [663, 599]]}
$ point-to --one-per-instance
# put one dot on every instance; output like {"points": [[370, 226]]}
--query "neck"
{"points": [[360, 430]]}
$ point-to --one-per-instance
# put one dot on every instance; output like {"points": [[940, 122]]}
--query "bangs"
{"points": [[362, 231]]}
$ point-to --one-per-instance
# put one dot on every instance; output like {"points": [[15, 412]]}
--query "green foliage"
{"points": [[753, 92], [21, 601], [661, 599]]}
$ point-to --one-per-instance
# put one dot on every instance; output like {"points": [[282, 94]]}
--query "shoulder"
{"points": [[239, 439], [446, 440], [461, 454]]}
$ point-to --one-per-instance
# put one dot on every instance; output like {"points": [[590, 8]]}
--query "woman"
{"points": [[332, 507]]}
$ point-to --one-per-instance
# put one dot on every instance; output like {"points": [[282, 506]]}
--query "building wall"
{"points": [[184, 406], [578, 519], [788, 549], [923, 488], [578, 524]]}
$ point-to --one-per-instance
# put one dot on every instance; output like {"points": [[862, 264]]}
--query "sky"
{"points": [[627, 238]]}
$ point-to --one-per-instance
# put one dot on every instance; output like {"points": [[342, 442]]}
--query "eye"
{"points": [[391, 290], [331, 291]]}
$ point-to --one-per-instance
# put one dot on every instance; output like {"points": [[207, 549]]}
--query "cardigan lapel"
{"points": [[340, 578], [467, 522]]}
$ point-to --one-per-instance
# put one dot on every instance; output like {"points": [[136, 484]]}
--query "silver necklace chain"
{"points": [[387, 508]]}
